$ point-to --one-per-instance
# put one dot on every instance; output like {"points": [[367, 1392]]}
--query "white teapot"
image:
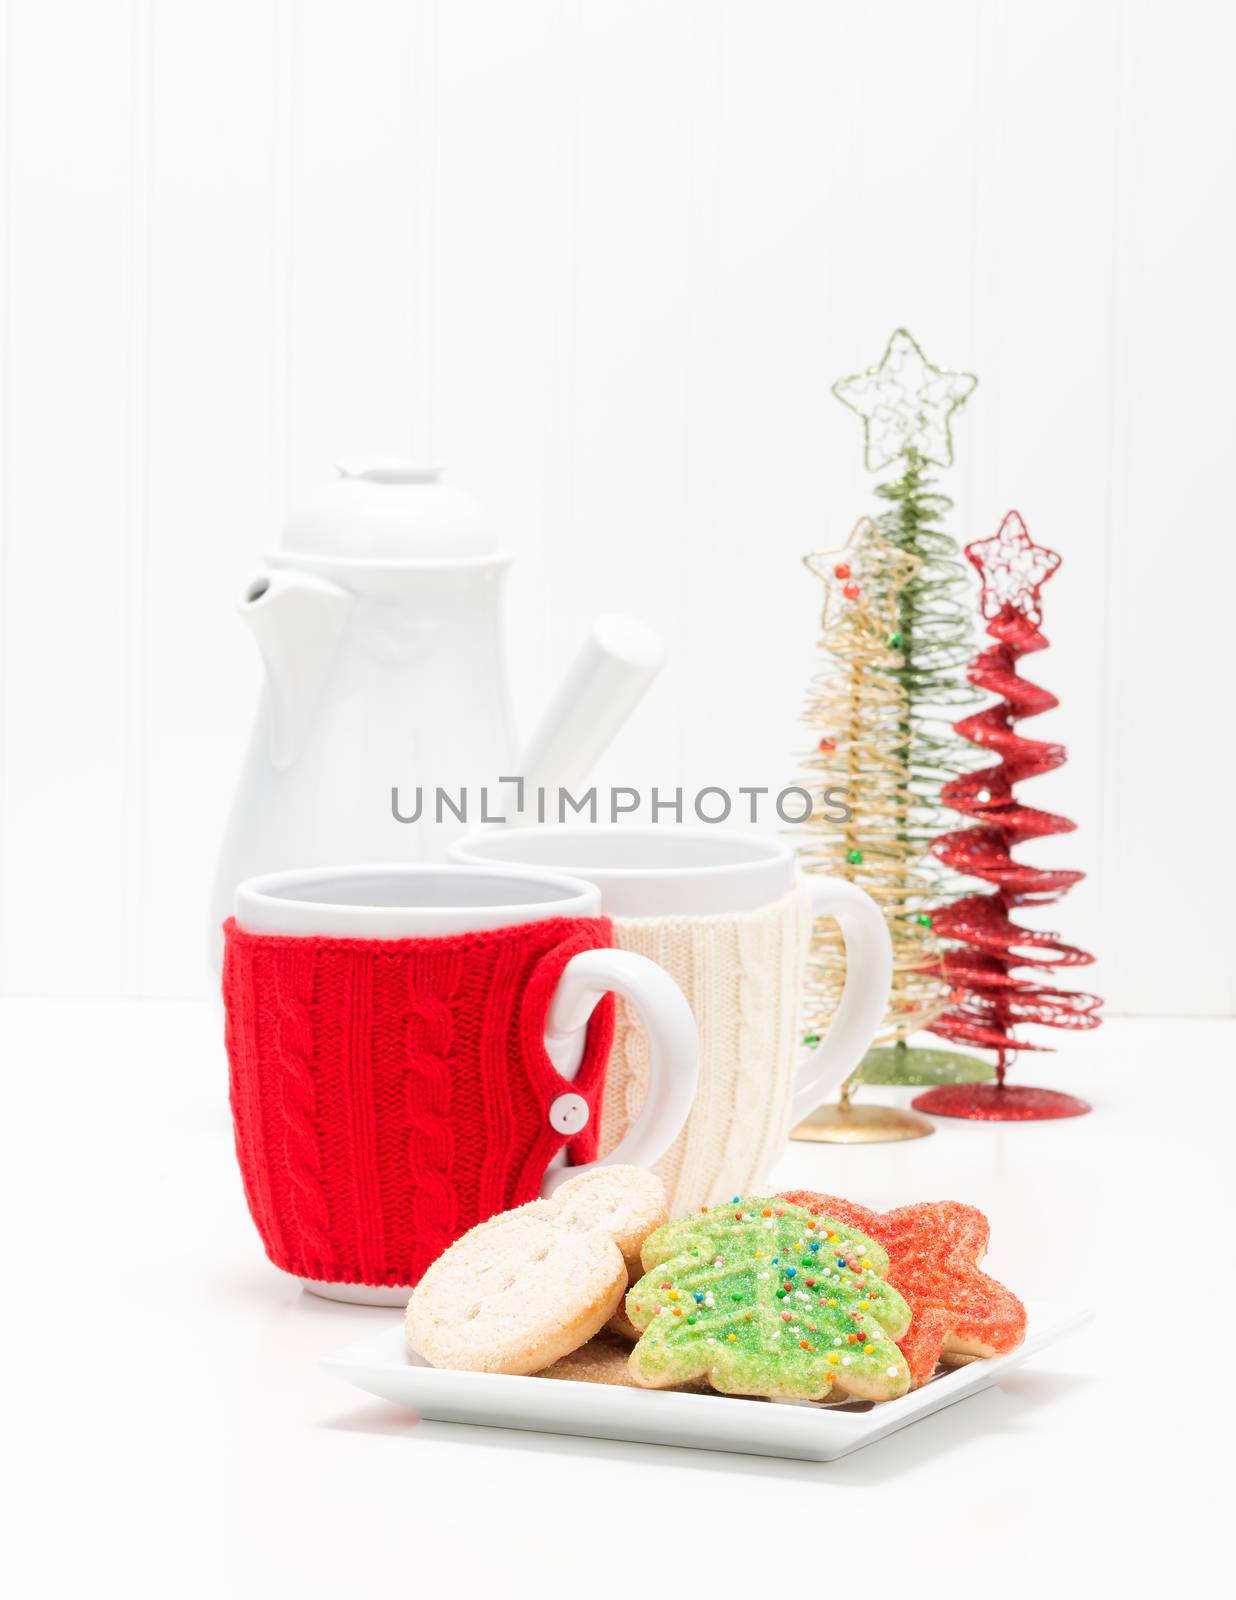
{"points": [[378, 620]]}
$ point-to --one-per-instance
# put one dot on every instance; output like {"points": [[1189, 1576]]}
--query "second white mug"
{"points": [[729, 917]]}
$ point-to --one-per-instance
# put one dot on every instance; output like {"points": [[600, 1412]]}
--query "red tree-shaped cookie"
{"points": [[989, 998]]}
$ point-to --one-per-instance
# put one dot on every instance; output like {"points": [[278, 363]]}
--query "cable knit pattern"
{"points": [[428, 1101], [389, 1094], [244, 1097], [743, 977], [298, 1104]]}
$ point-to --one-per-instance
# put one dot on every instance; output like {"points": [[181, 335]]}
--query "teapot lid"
{"points": [[383, 508]]}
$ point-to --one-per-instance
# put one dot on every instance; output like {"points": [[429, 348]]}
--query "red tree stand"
{"points": [[988, 1001]]}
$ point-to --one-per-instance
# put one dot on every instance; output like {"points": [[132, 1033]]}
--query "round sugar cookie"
{"points": [[514, 1295], [620, 1325], [530, 1285], [605, 1359], [626, 1204]]}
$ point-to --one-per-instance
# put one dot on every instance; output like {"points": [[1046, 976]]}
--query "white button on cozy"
{"points": [[569, 1113]]}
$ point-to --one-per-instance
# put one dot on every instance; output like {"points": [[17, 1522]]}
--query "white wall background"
{"points": [[604, 258]]}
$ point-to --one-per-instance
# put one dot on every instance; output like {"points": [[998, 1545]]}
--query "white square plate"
{"points": [[382, 1365]]}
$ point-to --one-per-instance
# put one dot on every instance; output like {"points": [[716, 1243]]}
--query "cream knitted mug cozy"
{"points": [[727, 916], [742, 973]]}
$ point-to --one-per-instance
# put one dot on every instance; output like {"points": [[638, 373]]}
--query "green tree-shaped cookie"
{"points": [[760, 1297]]}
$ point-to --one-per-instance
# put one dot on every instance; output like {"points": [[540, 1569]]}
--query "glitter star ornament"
{"points": [[906, 404], [1013, 569]]}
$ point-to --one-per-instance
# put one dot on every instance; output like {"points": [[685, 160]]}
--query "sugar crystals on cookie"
{"points": [[934, 1250], [759, 1298], [527, 1287]]}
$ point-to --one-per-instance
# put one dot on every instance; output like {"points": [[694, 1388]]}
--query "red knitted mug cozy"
{"points": [[388, 1094]]}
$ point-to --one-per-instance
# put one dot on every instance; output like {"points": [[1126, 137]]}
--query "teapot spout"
{"points": [[606, 681], [297, 621]]}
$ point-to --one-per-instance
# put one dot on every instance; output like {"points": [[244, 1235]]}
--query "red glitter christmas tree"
{"points": [[988, 999]]}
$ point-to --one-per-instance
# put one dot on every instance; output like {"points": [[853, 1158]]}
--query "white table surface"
{"points": [[168, 1432]]}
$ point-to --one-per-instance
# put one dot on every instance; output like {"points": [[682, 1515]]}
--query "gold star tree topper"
{"points": [[906, 404], [862, 579]]}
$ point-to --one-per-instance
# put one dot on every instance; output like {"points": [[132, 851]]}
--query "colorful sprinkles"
{"points": [[740, 1310], [935, 1249]]}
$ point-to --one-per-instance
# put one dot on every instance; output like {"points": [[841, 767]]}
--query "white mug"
{"points": [[294, 933], [705, 903]]}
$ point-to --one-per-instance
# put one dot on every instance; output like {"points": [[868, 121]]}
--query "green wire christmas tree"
{"points": [[907, 406]]}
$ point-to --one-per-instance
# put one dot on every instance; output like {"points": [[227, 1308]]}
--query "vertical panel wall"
{"points": [[603, 258]]}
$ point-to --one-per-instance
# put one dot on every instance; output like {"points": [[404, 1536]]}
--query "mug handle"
{"points": [[673, 1049], [864, 998]]}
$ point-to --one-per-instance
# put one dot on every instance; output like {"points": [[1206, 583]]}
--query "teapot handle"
{"points": [[603, 685]]}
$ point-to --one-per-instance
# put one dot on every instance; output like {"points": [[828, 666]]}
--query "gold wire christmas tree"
{"points": [[859, 778]]}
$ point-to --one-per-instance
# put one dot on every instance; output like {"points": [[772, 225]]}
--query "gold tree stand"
{"points": [[861, 1124], [917, 1066], [847, 1123]]}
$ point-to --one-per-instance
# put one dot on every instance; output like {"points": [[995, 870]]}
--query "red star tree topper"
{"points": [[988, 999]]}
